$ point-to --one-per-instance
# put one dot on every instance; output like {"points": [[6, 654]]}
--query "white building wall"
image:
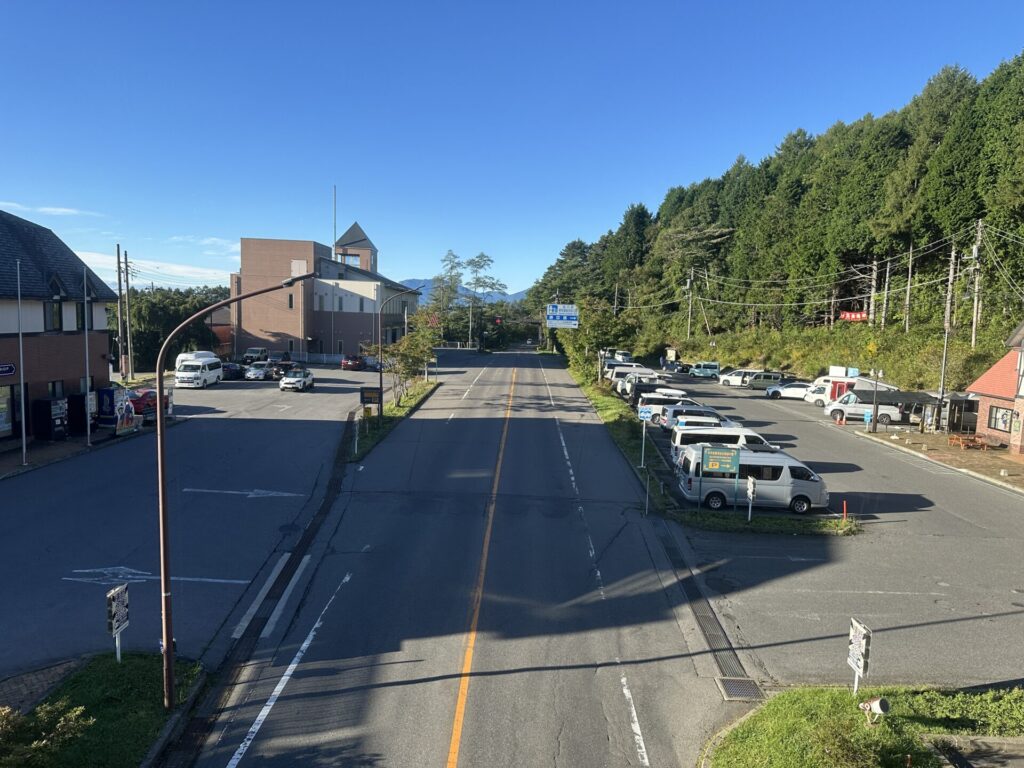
{"points": [[31, 316]]}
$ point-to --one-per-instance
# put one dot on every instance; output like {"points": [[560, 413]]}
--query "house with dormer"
{"points": [[53, 319]]}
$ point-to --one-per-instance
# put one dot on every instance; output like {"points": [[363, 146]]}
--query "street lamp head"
{"points": [[293, 280]]}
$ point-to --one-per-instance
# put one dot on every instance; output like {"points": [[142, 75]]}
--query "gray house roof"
{"points": [[48, 267], [1017, 337], [354, 237]]}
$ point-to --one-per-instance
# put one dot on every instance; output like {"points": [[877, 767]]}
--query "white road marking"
{"points": [[474, 382], [450, 417], [634, 720], [542, 373], [864, 592], [366, 548], [279, 608], [119, 574], [258, 601], [255, 493], [279, 688]]}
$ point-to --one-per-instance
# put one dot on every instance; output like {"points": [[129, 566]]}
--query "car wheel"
{"points": [[725, 382], [820, 403], [775, 395], [836, 415], [205, 382], [715, 501], [655, 418], [801, 505], [884, 418]]}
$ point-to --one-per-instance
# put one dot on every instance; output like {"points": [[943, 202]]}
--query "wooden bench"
{"points": [[964, 441]]}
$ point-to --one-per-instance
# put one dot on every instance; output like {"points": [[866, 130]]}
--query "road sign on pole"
{"points": [[562, 316], [859, 650], [117, 615]]}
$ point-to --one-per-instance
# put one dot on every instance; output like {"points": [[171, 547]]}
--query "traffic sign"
{"points": [[117, 609], [370, 395], [860, 648], [644, 412], [7, 369], [562, 316], [724, 460], [751, 488]]}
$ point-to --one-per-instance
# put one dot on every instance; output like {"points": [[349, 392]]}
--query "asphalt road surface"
{"points": [[938, 574], [491, 597]]}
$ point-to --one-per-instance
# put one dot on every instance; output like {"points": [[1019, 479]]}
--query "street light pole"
{"points": [[167, 637], [380, 349]]}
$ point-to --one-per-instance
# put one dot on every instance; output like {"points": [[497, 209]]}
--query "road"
{"points": [[491, 597], [71, 530], [938, 574]]}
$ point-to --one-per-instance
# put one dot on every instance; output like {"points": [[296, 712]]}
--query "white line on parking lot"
{"points": [[279, 608], [258, 601]]}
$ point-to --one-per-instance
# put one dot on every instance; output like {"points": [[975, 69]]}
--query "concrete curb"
{"points": [[708, 750], [175, 723], [926, 457]]}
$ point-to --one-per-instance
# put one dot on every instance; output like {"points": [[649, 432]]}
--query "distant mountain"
{"points": [[428, 286]]}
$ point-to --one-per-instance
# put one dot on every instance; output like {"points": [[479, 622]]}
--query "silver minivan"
{"points": [[782, 481]]}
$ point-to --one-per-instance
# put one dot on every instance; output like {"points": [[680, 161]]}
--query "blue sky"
{"points": [[508, 128]]}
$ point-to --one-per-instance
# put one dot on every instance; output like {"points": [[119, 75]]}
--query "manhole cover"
{"points": [[739, 689]]}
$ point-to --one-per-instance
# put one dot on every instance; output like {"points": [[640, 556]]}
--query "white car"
{"points": [[297, 378], [795, 390], [818, 395], [736, 378], [258, 371]]}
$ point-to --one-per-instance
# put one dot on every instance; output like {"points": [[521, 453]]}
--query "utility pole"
{"points": [[128, 320], [885, 294], [689, 308], [615, 307], [976, 314], [122, 343], [945, 339], [874, 289], [906, 301]]}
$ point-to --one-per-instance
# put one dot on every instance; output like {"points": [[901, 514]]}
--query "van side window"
{"points": [[760, 471], [215, 365], [802, 473], [686, 465]]}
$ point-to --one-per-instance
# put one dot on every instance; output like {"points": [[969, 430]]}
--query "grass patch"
{"points": [[372, 433], [736, 522], [105, 715], [822, 727]]}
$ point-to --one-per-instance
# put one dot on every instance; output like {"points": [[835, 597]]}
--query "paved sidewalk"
{"points": [[40, 452], [23, 692]]}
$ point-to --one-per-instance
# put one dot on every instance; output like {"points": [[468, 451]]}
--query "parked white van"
{"points": [[782, 481], [620, 374], [198, 372], [611, 367], [623, 356], [193, 356], [738, 377], [737, 436]]}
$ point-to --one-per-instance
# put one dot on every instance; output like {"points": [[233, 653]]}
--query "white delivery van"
{"points": [[629, 367], [782, 481], [692, 435], [198, 372], [193, 356]]}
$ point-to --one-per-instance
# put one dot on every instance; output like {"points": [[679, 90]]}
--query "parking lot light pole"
{"points": [[380, 349], [167, 635]]}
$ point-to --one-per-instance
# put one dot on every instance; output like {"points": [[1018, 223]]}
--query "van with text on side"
{"points": [[740, 437], [781, 480]]}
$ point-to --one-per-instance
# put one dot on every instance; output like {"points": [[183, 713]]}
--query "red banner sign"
{"points": [[854, 317]]}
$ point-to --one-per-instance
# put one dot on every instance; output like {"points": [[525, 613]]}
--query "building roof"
{"points": [[365, 274], [48, 267], [354, 237], [1000, 380], [1017, 337]]}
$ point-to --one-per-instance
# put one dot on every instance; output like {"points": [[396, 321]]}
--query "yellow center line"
{"points": [[467, 659]]}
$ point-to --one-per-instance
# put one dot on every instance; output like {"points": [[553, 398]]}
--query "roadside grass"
{"points": [[823, 728], [370, 433], [105, 715], [762, 522]]}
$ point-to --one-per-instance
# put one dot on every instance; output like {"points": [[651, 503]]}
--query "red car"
{"points": [[353, 363], [144, 403]]}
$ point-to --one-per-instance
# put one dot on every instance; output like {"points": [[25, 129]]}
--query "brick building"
{"points": [[53, 319], [1000, 391], [321, 319]]}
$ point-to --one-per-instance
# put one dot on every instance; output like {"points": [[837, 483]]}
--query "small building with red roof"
{"points": [[1000, 392]]}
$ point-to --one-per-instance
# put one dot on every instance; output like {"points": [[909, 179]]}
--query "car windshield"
{"points": [[258, 366], [253, 351], [296, 373], [189, 367]]}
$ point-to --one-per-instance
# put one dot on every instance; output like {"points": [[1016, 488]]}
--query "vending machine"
{"points": [[50, 418]]}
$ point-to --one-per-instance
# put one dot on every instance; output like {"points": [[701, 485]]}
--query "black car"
{"points": [[232, 371], [279, 368]]}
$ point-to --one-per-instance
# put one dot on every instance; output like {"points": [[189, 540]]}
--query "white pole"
{"points": [[856, 683], [643, 443], [117, 646], [21, 369], [88, 388]]}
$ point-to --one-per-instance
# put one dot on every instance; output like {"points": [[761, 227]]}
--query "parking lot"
{"points": [[937, 573]]}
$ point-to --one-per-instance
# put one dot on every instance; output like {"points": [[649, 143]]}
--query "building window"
{"points": [[291, 301], [361, 305], [341, 347], [55, 388], [80, 316], [53, 316], [339, 304], [352, 261], [999, 418], [82, 382], [291, 345]]}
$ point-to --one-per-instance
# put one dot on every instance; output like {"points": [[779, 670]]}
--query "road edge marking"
{"points": [[243, 624], [279, 608], [467, 658]]}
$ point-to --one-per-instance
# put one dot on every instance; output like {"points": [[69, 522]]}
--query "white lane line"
{"points": [[474, 382], [542, 373], [453, 414], [258, 601], [279, 608], [634, 719], [279, 688]]}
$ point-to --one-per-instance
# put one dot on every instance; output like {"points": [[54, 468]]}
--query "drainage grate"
{"points": [[739, 689], [722, 651]]}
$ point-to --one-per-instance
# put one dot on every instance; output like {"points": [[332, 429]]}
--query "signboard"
{"points": [[8, 369], [117, 609], [854, 317], [370, 395], [751, 488], [562, 316], [724, 460], [644, 412], [860, 648]]}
